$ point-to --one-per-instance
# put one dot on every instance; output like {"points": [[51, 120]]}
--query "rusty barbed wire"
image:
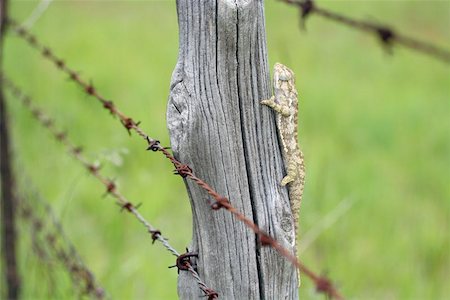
{"points": [[40, 251], [61, 247], [181, 169], [385, 34], [111, 187], [38, 248], [70, 257]]}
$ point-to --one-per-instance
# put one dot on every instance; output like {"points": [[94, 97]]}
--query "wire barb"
{"points": [[181, 169], [128, 123], [153, 145], [155, 235], [306, 8], [385, 34], [184, 261], [111, 187], [56, 243], [220, 203]]}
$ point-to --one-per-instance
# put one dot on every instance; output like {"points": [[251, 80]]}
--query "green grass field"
{"points": [[375, 129]]}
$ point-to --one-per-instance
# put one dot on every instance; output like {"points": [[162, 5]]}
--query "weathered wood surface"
{"points": [[220, 129]]}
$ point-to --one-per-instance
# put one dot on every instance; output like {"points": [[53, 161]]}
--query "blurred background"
{"points": [[374, 128]]}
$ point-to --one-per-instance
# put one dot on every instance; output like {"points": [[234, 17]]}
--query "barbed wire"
{"points": [[61, 247], [70, 257], [111, 187], [43, 256], [40, 251], [322, 283], [385, 34]]}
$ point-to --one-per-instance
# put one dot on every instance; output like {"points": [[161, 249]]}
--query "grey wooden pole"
{"points": [[8, 203], [219, 128]]}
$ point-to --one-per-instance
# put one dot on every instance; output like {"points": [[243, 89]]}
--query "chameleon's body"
{"points": [[285, 103]]}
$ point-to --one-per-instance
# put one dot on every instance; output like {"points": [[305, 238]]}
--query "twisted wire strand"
{"points": [[111, 187]]}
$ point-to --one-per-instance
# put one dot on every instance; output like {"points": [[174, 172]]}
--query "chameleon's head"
{"points": [[282, 75]]}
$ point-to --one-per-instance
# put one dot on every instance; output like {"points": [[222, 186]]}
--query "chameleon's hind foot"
{"points": [[287, 179]]}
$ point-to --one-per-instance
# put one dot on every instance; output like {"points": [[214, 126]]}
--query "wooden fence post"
{"points": [[8, 204], [220, 129]]}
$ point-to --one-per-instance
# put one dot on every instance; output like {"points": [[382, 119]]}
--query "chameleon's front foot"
{"points": [[269, 102], [282, 109]]}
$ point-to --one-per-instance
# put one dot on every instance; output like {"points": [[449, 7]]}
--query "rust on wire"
{"points": [[181, 169], [183, 261], [129, 207], [77, 150], [385, 34], [155, 235], [93, 169], [305, 8], [128, 123], [90, 89], [61, 136], [109, 105], [218, 204], [153, 145], [211, 294], [111, 187]]}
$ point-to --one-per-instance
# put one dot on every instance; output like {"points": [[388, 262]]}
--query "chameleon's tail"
{"points": [[295, 195]]}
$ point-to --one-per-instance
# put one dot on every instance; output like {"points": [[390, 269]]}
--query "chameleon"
{"points": [[285, 103]]}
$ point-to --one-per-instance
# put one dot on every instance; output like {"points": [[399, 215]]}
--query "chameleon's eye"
{"points": [[285, 76]]}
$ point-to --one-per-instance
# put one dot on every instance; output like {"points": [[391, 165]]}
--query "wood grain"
{"points": [[220, 129]]}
